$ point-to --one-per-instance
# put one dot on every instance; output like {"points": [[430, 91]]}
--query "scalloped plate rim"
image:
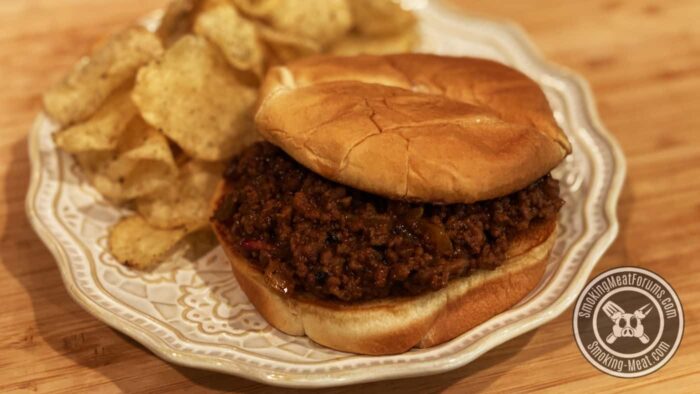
{"points": [[466, 355]]}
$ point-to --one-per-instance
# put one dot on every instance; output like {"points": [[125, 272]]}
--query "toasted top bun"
{"points": [[397, 324], [412, 126]]}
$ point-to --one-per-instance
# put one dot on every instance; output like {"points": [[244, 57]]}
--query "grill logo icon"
{"points": [[628, 322]]}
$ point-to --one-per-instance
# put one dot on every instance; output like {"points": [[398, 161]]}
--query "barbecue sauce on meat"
{"points": [[310, 235]]}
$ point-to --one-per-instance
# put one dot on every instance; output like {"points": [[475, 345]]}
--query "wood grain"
{"points": [[642, 59]]}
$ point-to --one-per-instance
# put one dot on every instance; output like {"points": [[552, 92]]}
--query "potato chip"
{"points": [[141, 164], [136, 244], [103, 129], [256, 8], [92, 80], [283, 47], [177, 20], [355, 44], [211, 4], [321, 21], [380, 17], [235, 36], [193, 96], [185, 202]]}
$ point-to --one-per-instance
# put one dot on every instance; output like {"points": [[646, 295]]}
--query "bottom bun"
{"points": [[397, 324]]}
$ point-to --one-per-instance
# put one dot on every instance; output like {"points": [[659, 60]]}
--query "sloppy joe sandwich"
{"points": [[396, 202]]}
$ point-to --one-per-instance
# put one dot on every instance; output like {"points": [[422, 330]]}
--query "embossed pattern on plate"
{"points": [[193, 313]]}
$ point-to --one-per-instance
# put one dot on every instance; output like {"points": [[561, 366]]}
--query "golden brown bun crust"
{"points": [[395, 325], [413, 126]]}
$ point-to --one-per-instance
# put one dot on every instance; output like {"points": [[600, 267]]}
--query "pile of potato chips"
{"points": [[151, 117]]}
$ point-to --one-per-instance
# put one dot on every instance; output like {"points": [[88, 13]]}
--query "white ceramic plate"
{"points": [[193, 313]]}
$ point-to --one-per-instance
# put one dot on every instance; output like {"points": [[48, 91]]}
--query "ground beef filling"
{"points": [[309, 235]]}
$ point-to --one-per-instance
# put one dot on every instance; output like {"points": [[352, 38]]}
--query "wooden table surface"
{"points": [[642, 59]]}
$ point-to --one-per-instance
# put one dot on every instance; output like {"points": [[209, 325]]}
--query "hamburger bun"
{"points": [[419, 128], [397, 324], [413, 126]]}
